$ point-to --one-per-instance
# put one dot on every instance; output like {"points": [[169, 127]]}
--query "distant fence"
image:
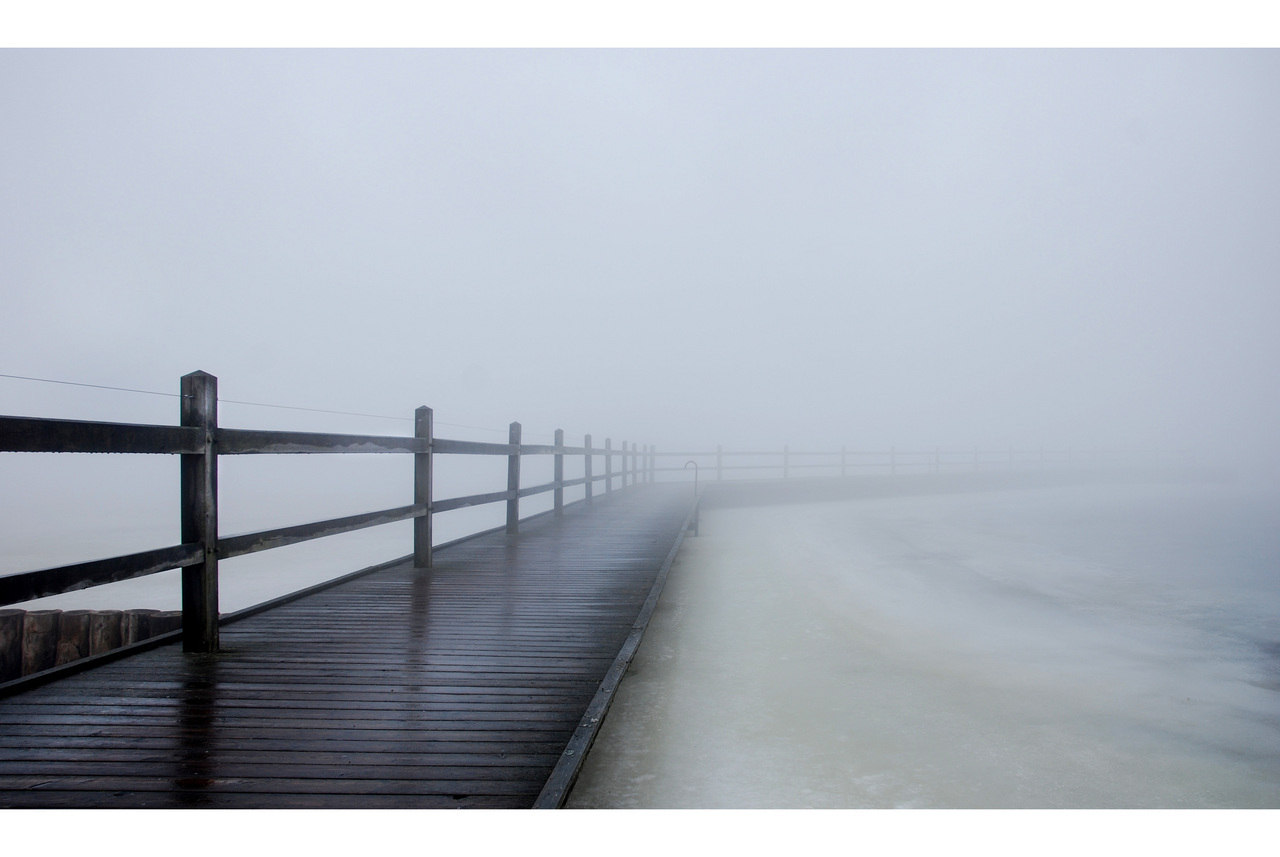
{"points": [[199, 442], [725, 465]]}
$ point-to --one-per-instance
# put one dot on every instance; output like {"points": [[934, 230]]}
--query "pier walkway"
{"points": [[476, 683], [473, 674]]}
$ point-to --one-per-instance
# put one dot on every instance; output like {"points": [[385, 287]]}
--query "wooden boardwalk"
{"points": [[457, 686]]}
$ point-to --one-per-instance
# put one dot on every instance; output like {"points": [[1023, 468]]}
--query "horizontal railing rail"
{"points": [[200, 442], [233, 546], [27, 585], [30, 434]]}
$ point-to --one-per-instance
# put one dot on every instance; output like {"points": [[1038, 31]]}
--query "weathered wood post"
{"points": [[10, 644], [73, 636], [39, 640], [104, 631], [653, 460], [423, 429], [608, 464], [586, 466], [559, 472], [513, 480], [164, 621], [624, 464], [135, 625], [200, 515], [719, 463]]}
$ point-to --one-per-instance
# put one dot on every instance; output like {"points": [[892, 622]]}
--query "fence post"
{"points": [[422, 429], [623, 468], [513, 480], [199, 514], [650, 449], [608, 464], [559, 472], [586, 466], [719, 463]]}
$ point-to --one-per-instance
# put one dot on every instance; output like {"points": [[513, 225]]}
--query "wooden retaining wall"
{"points": [[35, 641]]}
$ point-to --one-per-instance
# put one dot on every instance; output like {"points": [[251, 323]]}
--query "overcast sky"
{"points": [[861, 247]]}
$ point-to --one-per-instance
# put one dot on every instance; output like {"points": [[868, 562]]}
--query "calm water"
{"points": [[1070, 647]]}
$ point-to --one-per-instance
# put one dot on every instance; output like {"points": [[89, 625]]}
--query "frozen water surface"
{"points": [[1064, 647]]}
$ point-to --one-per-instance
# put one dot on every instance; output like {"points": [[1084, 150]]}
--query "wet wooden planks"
{"points": [[455, 687]]}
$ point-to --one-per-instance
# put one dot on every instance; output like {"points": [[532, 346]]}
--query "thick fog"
{"points": [[678, 247], [919, 249], [819, 248]]}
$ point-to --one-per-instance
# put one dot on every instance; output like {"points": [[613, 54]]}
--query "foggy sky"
{"points": [[817, 248]]}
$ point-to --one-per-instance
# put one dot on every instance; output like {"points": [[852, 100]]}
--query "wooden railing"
{"points": [[199, 442]]}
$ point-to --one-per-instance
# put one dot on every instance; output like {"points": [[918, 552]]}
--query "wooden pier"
{"points": [[476, 683], [473, 674]]}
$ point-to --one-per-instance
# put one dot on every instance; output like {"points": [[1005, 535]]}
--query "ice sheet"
{"points": [[1078, 647]]}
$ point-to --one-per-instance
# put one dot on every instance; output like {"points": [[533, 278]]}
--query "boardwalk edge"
{"points": [[565, 773]]}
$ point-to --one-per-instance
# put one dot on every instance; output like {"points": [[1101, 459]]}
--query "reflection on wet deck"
{"points": [[459, 686]]}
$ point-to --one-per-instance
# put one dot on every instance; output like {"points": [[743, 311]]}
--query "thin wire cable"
{"points": [[312, 410], [236, 402], [477, 428], [352, 414], [94, 386]]}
